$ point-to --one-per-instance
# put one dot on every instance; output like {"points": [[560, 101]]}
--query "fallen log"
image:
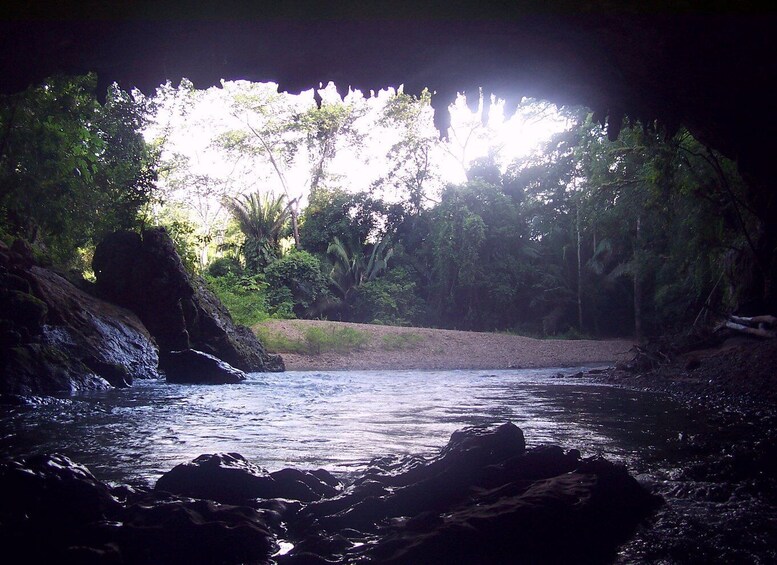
{"points": [[760, 332], [760, 320]]}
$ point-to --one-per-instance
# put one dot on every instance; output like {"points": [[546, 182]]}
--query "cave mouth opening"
{"points": [[359, 131]]}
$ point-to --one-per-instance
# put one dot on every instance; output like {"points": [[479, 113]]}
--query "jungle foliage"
{"points": [[72, 168], [585, 236]]}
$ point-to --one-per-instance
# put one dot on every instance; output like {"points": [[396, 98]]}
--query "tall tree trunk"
{"points": [[279, 171], [579, 274], [637, 285], [295, 224]]}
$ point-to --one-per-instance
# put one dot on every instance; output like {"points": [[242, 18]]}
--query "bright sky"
{"points": [[193, 122]]}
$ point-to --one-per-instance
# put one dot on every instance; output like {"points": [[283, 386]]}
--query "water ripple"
{"points": [[338, 419]]}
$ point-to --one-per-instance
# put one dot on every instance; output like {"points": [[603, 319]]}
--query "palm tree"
{"points": [[262, 219], [350, 270]]}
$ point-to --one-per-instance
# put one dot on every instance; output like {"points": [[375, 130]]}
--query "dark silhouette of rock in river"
{"points": [[229, 478], [56, 337], [145, 274], [55, 511], [195, 367], [484, 499]]}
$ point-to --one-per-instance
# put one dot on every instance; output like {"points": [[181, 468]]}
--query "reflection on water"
{"points": [[340, 420], [336, 420]]}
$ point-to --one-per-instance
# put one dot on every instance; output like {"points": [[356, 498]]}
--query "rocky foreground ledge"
{"points": [[484, 499]]}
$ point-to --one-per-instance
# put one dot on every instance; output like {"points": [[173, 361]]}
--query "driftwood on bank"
{"points": [[760, 326]]}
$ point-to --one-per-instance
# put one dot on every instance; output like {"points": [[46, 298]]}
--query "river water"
{"points": [[340, 420]]}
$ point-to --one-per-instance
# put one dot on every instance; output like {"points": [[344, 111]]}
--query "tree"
{"points": [[477, 253], [351, 218], [326, 129], [262, 219], [275, 129], [297, 284], [352, 268], [412, 173], [72, 169]]}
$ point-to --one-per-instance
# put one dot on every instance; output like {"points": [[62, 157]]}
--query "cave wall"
{"points": [[712, 72]]}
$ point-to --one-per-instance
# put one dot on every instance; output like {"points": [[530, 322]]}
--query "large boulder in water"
{"points": [[145, 274], [484, 499], [56, 337], [231, 479], [195, 367]]}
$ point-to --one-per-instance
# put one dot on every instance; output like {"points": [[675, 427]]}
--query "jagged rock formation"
{"points": [[55, 511], [212, 330], [145, 274], [484, 499], [230, 479], [56, 337]]}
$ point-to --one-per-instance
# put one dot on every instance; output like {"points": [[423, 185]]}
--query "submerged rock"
{"points": [[145, 274]]}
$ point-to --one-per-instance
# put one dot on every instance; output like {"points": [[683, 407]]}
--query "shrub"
{"points": [[277, 342], [297, 279], [397, 341], [224, 266], [387, 300], [244, 296], [319, 340], [315, 340]]}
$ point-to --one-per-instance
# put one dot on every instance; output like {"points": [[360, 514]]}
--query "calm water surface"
{"points": [[336, 420]]}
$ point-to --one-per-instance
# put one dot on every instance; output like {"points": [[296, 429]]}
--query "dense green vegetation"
{"points": [[584, 237], [316, 340], [71, 168]]}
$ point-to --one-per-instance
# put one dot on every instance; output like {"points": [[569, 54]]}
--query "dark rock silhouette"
{"points": [[145, 274], [484, 499], [55, 511], [229, 478], [195, 367], [56, 337]]}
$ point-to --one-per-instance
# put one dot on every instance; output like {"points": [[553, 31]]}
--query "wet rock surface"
{"points": [[483, 499], [55, 337], [55, 511], [212, 330], [195, 367], [722, 503], [229, 478], [145, 274]]}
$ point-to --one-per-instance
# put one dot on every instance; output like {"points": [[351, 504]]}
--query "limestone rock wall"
{"points": [[56, 337], [145, 274]]}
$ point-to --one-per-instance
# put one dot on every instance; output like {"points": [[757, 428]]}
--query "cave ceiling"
{"points": [[712, 72]]}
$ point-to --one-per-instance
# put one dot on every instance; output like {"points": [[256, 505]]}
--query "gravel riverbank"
{"points": [[391, 347]]}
